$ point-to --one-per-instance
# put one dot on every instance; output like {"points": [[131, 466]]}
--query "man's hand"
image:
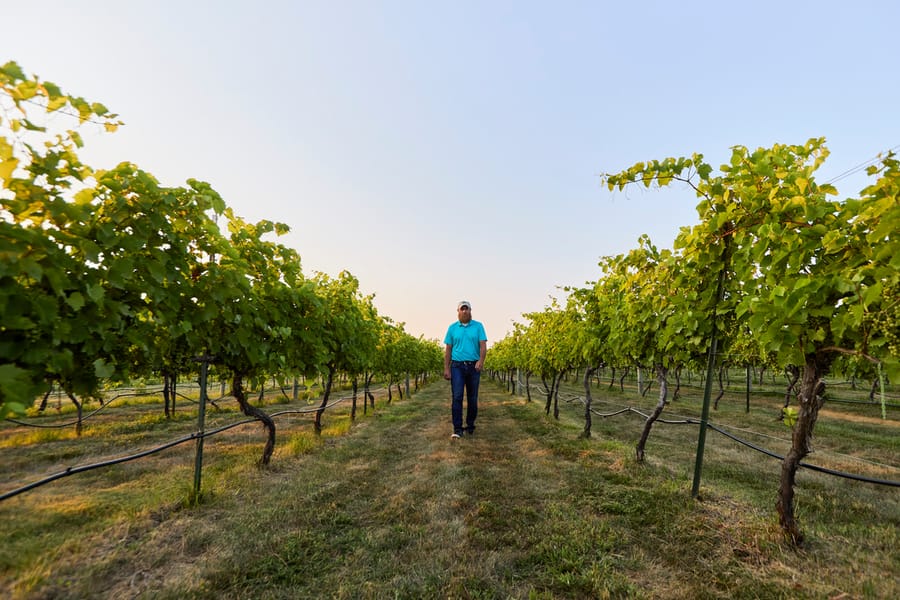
{"points": [[446, 373]]}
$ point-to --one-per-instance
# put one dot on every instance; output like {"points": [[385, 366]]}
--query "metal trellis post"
{"points": [[710, 368], [201, 424]]}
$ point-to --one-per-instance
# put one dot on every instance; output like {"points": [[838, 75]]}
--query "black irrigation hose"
{"points": [[117, 396], [62, 425], [863, 403], [193, 436], [306, 410], [123, 459], [612, 414], [106, 463], [191, 400], [84, 418], [803, 464], [752, 446]]}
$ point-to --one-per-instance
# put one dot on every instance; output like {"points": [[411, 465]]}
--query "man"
{"points": [[466, 346]]}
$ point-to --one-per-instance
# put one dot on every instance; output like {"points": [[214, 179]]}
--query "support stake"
{"points": [[710, 373], [201, 424]]}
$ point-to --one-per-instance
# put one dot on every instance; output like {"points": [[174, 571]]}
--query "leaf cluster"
{"points": [[107, 274], [802, 273]]}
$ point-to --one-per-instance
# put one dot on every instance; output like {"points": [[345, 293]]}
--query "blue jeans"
{"points": [[464, 378]]}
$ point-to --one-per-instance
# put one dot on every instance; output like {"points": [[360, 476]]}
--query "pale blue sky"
{"points": [[452, 150]]}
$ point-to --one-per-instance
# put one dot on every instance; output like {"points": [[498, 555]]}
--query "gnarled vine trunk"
{"points": [[168, 394], [44, 399], [329, 380], [80, 410], [528, 385], [588, 374], [793, 372], [367, 395], [237, 390], [355, 385], [661, 374], [548, 392], [559, 379], [552, 391], [810, 398], [677, 391], [721, 387]]}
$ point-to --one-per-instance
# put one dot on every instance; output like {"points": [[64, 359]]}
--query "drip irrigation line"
{"points": [[107, 403], [69, 423], [687, 420], [211, 432], [876, 403], [193, 436], [812, 467], [93, 413], [308, 409], [612, 414], [189, 399], [123, 459], [106, 463], [809, 466]]}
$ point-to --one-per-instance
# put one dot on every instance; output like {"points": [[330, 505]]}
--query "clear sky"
{"points": [[442, 151]]}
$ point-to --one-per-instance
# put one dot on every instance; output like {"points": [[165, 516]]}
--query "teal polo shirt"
{"points": [[465, 340]]}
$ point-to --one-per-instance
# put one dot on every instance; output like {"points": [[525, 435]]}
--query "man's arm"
{"points": [[482, 352], [447, 351]]}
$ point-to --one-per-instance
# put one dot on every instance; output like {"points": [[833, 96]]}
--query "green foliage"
{"points": [[804, 274], [789, 415], [57, 317], [107, 274], [806, 279], [352, 332], [549, 340]]}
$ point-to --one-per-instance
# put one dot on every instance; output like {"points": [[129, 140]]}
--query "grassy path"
{"points": [[400, 509], [524, 509]]}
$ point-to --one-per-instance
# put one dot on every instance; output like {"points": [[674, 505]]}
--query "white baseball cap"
{"points": [[464, 303]]}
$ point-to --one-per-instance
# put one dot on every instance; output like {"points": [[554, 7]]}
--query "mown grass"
{"points": [[390, 507]]}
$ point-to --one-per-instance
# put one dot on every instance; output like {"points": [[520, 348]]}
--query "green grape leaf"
{"points": [[789, 416]]}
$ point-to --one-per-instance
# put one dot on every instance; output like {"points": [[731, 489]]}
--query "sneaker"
{"points": [[455, 436]]}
